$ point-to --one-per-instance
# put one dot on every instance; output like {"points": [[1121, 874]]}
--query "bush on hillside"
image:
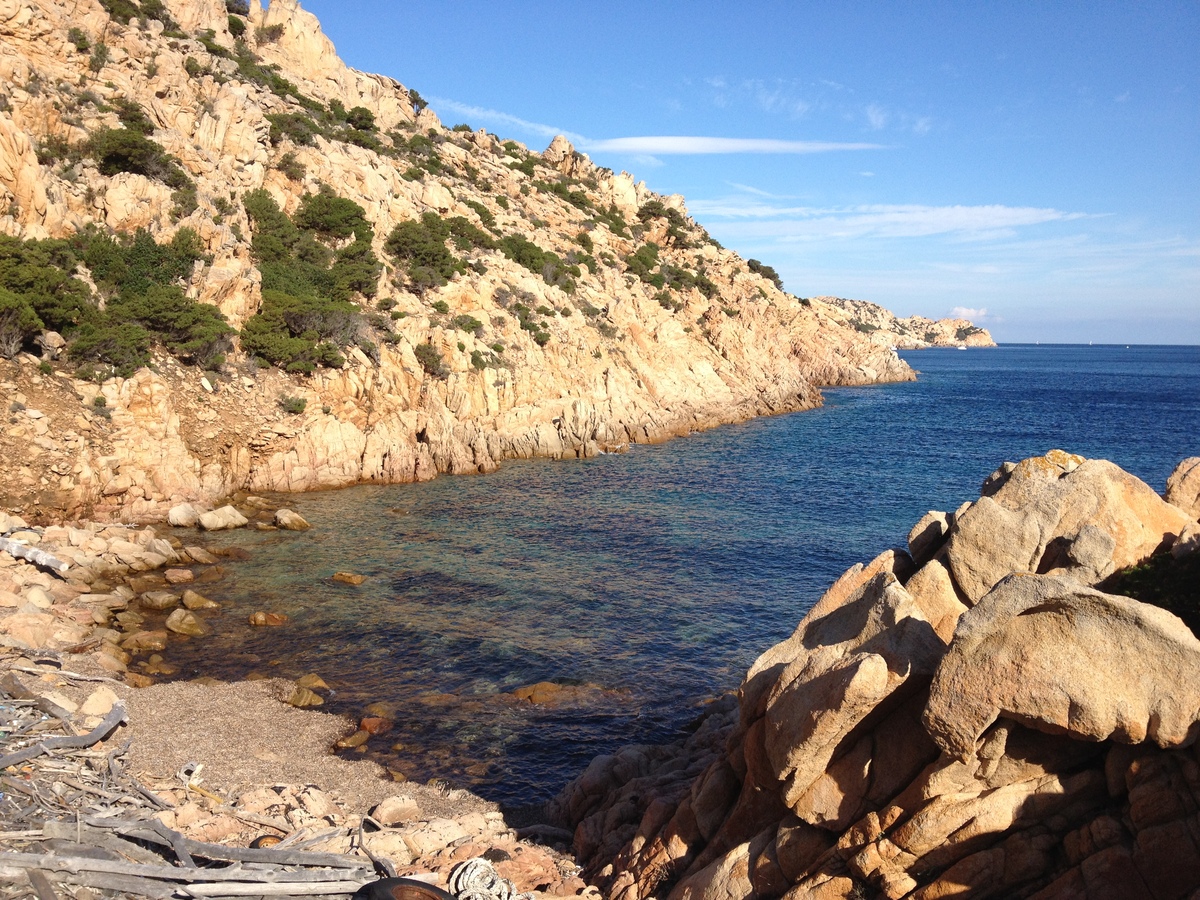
{"points": [[550, 266], [419, 248], [18, 323], [765, 271]]}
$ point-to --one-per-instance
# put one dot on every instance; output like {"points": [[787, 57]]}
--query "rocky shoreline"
{"points": [[774, 784], [95, 605], [970, 717]]}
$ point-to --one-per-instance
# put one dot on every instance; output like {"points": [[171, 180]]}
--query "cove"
{"points": [[645, 583]]}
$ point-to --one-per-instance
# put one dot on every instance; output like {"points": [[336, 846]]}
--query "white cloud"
{"points": [[646, 149], [503, 118], [692, 145], [877, 117], [966, 312], [794, 223], [1121, 98]]}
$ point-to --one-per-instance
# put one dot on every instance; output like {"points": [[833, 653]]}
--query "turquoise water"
{"points": [[651, 580]]}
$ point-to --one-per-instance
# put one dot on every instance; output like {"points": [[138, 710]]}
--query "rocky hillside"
{"points": [[972, 717], [912, 333], [235, 263]]}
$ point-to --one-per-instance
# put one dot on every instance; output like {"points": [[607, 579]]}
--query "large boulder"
{"points": [[1183, 486], [1057, 513], [1062, 658], [221, 519]]}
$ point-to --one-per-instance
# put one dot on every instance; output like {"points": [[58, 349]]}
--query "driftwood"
{"points": [[39, 558], [97, 734]]}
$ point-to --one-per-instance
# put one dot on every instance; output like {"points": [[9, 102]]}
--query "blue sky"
{"points": [[1037, 164]]}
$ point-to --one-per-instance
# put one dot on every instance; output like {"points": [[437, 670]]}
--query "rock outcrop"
{"points": [[910, 333], [620, 358], [978, 718]]}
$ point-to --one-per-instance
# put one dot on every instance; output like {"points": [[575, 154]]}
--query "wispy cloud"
{"points": [[495, 116], [691, 145], [967, 312], [793, 223], [877, 117], [646, 149]]}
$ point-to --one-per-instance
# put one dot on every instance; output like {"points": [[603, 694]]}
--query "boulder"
{"points": [[1183, 486], [1066, 659], [349, 578], [1057, 513], [184, 621], [292, 521], [221, 519], [193, 600], [158, 600], [1188, 541], [396, 810], [183, 516]]}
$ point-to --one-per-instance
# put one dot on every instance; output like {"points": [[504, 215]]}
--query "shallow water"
{"points": [[652, 579]]}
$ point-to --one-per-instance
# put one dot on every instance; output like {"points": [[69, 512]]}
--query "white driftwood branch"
{"points": [[41, 558]]}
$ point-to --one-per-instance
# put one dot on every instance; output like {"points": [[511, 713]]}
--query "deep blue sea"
{"points": [[652, 579]]}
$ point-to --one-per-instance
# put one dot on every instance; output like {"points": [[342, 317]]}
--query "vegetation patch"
{"points": [[312, 267], [1163, 581], [553, 269], [765, 271]]}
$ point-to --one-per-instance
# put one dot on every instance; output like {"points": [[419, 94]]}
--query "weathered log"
{"points": [[115, 717], [76, 864], [39, 558], [156, 832]]}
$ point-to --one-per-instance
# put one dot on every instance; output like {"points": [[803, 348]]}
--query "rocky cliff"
{"points": [[580, 311], [971, 717], [911, 333]]}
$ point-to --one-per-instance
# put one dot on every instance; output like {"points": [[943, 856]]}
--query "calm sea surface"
{"points": [[647, 582]]}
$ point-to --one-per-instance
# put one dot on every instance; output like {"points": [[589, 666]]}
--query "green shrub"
{"points": [[121, 10], [291, 167], [541, 338], [360, 118], [132, 115], [297, 127], [418, 102], [502, 202], [431, 360], [293, 406], [419, 248], [300, 333], [237, 26], [584, 240], [541, 262], [195, 332], [562, 189], [77, 37], [766, 272], [441, 306], [18, 323], [99, 58], [1163, 581], [485, 214], [469, 324], [123, 347], [478, 360], [268, 34], [128, 150], [528, 165], [642, 261], [192, 66]]}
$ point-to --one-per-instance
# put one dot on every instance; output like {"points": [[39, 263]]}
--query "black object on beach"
{"points": [[400, 889]]}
